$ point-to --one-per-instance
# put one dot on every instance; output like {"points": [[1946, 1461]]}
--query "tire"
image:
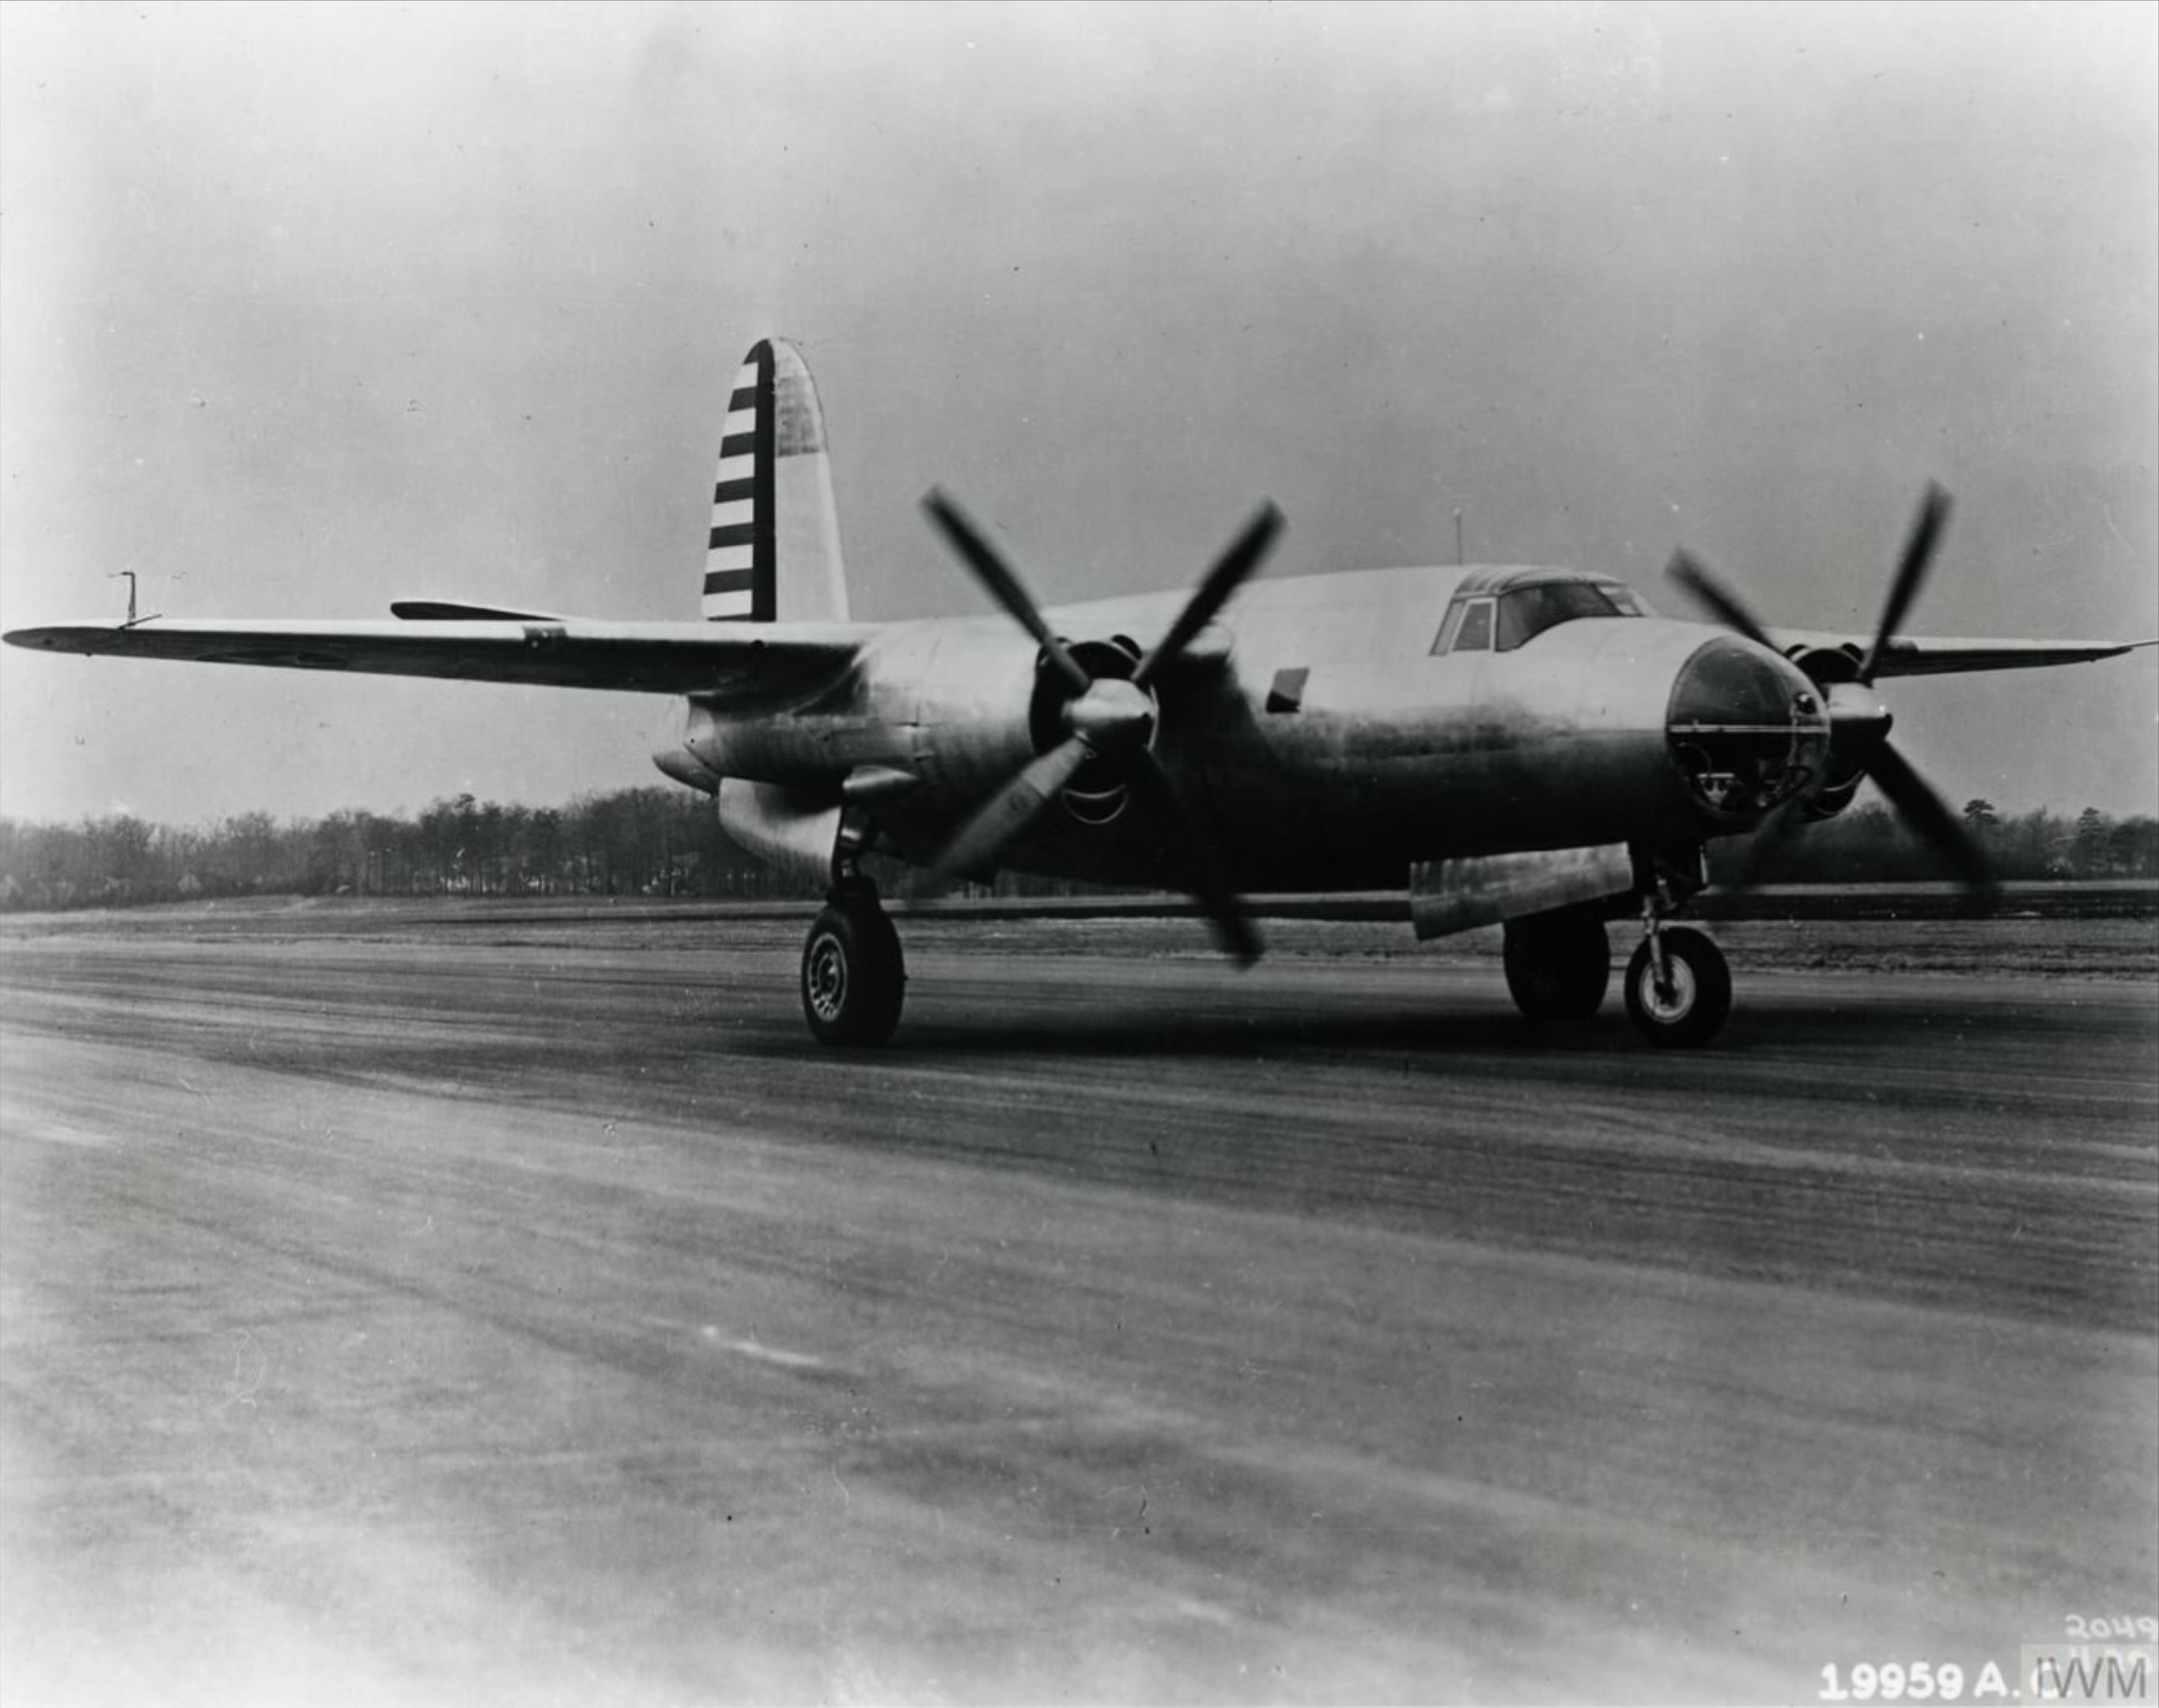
{"points": [[854, 976], [1702, 993], [1558, 968]]}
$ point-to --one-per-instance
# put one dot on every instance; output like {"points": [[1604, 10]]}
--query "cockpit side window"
{"points": [[1447, 625], [1474, 632]]}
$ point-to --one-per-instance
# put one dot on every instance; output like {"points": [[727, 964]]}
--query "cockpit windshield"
{"points": [[1525, 613], [1500, 610]]}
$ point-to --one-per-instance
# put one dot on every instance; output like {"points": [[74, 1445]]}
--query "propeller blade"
{"points": [[1771, 837], [1695, 577], [1195, 848], [1911, 574], [992, 572], [1929, 815], [1007, 812], [1229, 573]]}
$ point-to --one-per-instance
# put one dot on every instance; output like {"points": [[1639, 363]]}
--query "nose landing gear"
{"points": [[1678, 985]]}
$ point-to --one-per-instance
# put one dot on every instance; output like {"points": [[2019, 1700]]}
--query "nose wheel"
{"points": [[854, 976], [1679, 987]]}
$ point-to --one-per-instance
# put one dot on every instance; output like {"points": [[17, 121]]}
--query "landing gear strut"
{"points": [[854, 976], [1679, 987]]}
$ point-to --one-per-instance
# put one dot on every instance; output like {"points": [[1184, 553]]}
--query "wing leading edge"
{"points": [[1918, 656], [652, 658]]}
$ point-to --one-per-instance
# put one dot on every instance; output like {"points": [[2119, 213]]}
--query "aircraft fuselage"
{"points": [[1347, 751]]}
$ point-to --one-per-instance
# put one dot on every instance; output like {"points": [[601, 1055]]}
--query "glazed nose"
{"points": [[1746, 729]]}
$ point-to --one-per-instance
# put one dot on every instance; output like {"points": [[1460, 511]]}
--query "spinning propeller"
{"points": [[1110, 721], [1859, 722]]}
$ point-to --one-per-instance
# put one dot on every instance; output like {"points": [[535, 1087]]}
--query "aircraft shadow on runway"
{"points": [[948, 1030], [1896, 1025]]}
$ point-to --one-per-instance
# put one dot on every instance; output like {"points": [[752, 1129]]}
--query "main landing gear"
{"points": [[854, 976], [1678, 986], [1558, 964]]}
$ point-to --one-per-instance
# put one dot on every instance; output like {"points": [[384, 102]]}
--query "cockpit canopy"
{"points": [[1497, 610]]}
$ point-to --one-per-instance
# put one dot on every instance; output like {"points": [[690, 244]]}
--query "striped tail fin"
{"points": [[774, 552]]}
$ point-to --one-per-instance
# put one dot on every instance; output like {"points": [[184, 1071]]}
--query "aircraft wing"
{"points": [[1918, 656], [748, 658]]}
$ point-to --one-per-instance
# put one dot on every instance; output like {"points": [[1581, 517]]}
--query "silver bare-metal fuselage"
{"points": [[1312, 727]]}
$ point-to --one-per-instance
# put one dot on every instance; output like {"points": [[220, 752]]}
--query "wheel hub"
{"points": [[1669, 996], [827, 981]]}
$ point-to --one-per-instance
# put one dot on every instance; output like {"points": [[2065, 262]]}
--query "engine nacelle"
{"points": [[795, 831], [1095, 795], [1834, 795], [1827, 665], [1858, 724], [674, 758]]}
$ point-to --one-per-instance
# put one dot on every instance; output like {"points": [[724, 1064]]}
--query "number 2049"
{"points": [[1914, 1681]]}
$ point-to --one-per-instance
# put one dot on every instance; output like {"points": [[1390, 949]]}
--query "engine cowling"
{"points": [[1097, 794], [1858, 725], [674, 758]]}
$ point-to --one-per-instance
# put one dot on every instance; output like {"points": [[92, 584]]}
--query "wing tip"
{"points": [[60, 637]]}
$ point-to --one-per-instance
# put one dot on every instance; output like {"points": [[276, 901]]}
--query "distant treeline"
{"points": [[668, 842], [654, 842], [1869, 845]]}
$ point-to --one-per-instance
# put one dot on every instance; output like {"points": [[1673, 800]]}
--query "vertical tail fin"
{"points": [[774, 553]]}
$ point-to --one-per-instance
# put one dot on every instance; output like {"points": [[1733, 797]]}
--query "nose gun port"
{"points": [[1746, 729]]}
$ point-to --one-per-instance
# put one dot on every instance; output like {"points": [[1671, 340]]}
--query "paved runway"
{"points": [[540, 1316]]}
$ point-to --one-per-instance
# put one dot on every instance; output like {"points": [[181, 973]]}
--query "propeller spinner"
{"points": [[1859, 722], [1112, 721]]}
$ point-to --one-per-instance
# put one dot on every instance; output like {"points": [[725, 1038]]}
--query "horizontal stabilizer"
{"points": [[449, 611], [770, 658]]}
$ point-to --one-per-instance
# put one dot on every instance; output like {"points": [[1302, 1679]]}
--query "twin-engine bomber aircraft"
{"points": [[1530, 746]]}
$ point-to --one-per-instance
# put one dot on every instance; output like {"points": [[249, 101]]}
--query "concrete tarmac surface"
{"points": [[539, 1315]]}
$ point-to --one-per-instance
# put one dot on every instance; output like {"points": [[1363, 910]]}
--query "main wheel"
{"points": [[1557, 966], [1692, 1010], [853, 975]]}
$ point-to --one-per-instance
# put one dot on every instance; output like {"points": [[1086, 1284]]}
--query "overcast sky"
{"points": [[305, 308]]}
